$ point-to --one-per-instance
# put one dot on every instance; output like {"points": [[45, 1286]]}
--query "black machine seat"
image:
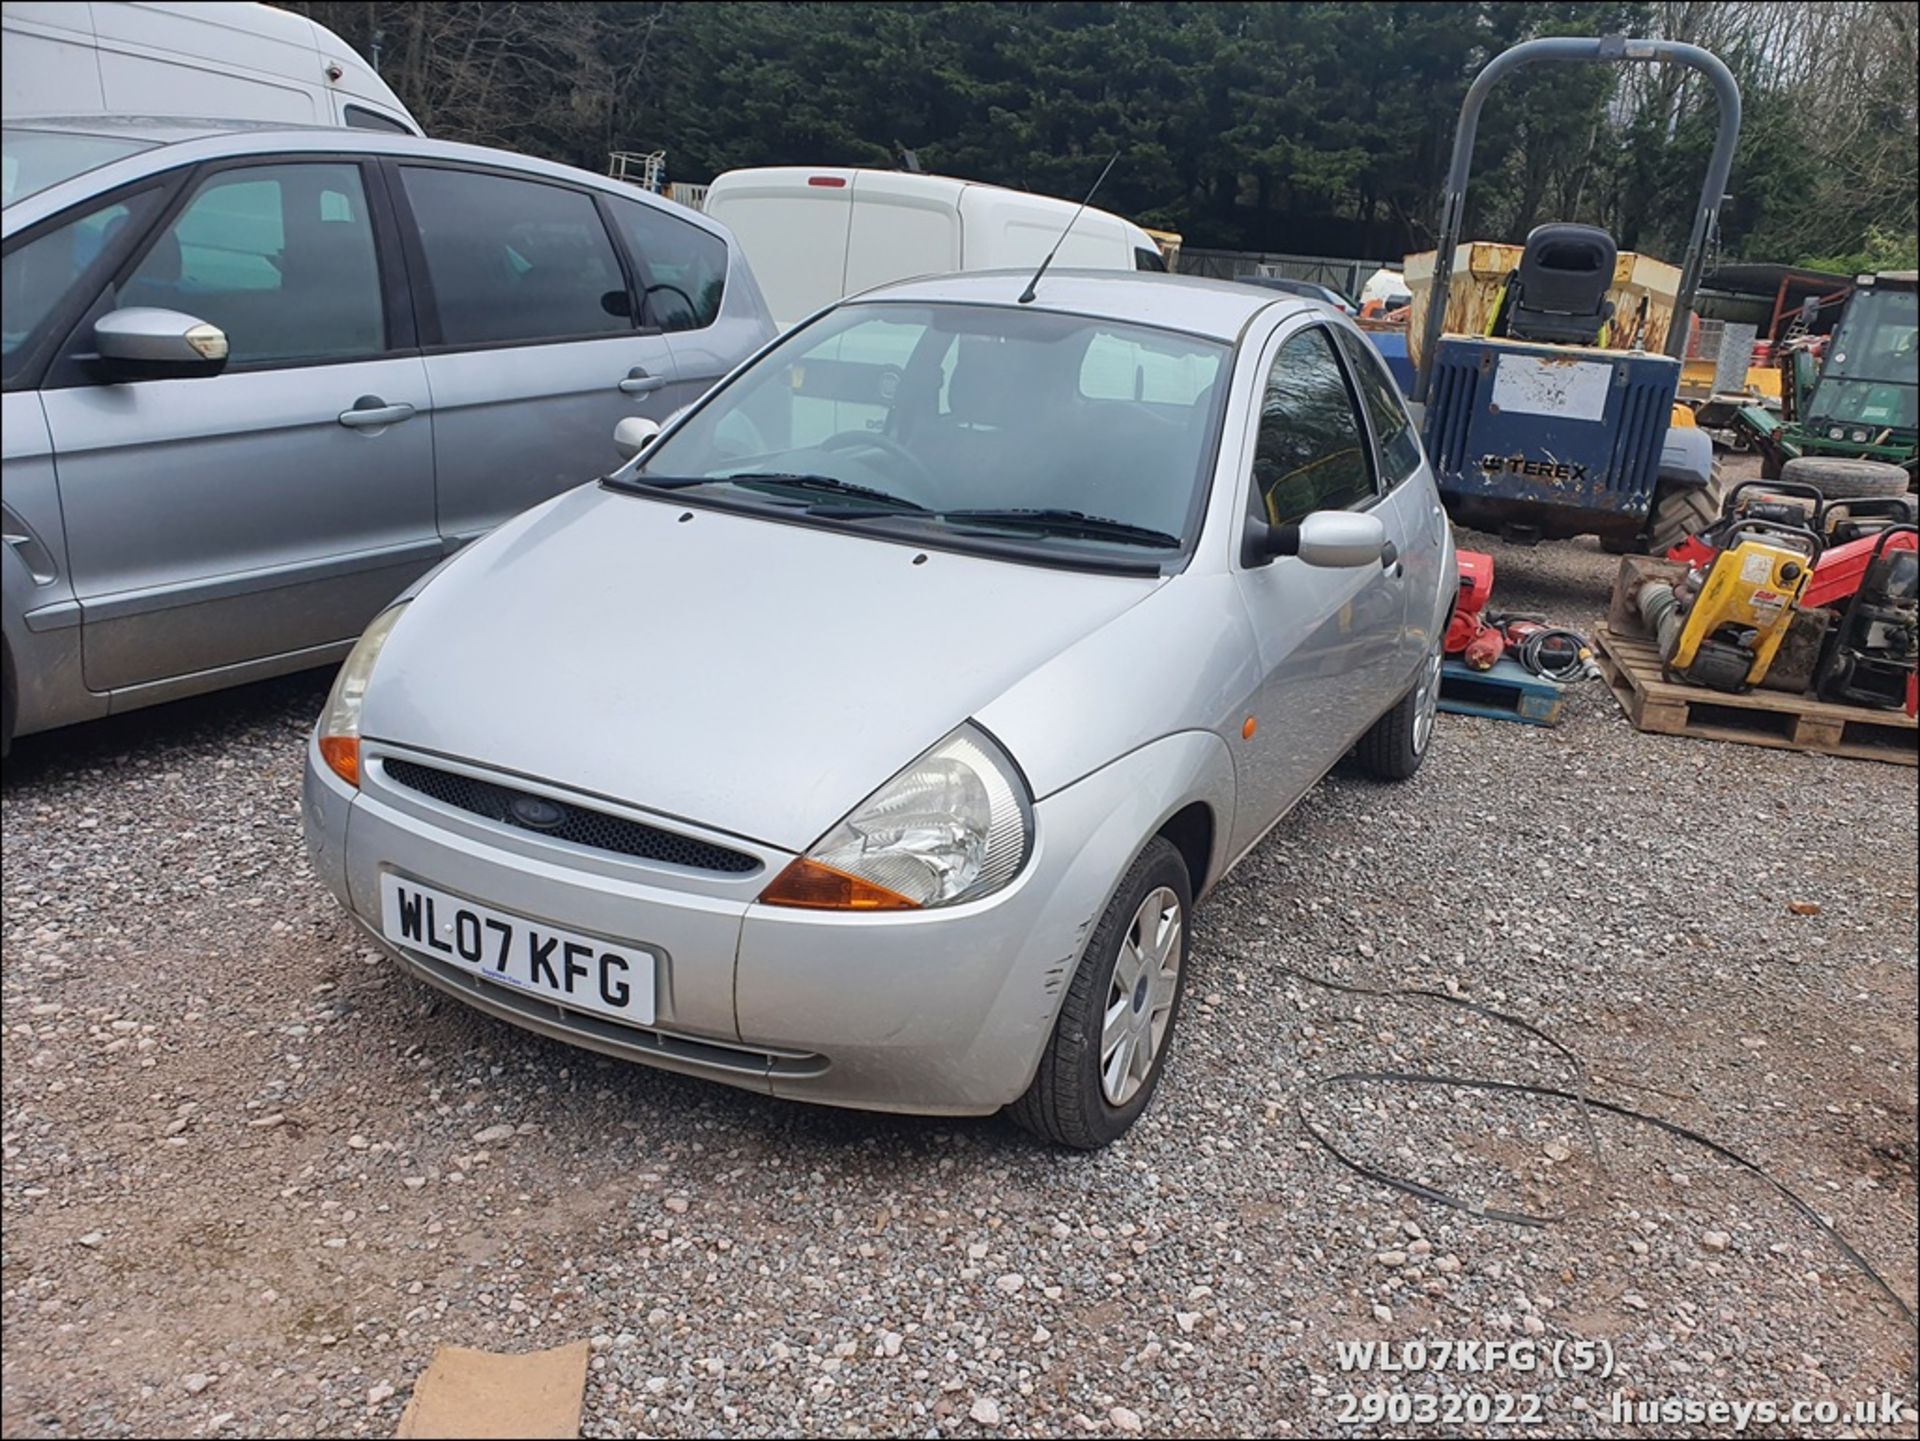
{"points": [[1559, 293]]}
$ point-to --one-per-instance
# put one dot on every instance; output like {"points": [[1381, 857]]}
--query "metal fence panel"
{"points": [[1344, 274]]}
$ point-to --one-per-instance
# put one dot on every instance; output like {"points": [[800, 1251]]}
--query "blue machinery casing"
{"points": [[1553, 441], [1558, 440]]}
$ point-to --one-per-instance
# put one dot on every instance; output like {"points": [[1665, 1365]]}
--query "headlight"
{"points": [[340, 721], [955, 825], [1859, 437], [1834, 432]]}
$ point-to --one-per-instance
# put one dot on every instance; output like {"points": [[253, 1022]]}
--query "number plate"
{"points": [[610, 978]]}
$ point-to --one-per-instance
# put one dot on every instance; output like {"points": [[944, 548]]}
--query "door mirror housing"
{"points": [[1330, 539], [144, 343], [633, 435]]}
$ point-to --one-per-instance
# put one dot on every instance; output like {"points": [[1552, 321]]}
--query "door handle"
{"points": [[370, 412], [1390, 557], [638, 382]]}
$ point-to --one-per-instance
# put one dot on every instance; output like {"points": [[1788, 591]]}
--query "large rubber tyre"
{"points": [[1396, 744], [1066, 1103], [1681, 511], [1838, 478]]}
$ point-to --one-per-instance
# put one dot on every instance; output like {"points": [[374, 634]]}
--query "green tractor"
{"points": [[1851, 423]]}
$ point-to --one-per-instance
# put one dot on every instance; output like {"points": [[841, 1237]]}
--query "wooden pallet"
{"points": [[1761, 718], [1507, 692]]}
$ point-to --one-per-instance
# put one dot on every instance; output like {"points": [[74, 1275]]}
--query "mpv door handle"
{"points": [[638, 382], [1390, 557], [370, 412]]}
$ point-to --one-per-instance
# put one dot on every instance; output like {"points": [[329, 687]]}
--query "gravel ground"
{"points": [[253, 1176]]}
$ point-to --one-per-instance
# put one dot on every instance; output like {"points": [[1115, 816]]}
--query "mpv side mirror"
{"points": [[1332, 539], [633, 435], [144, 343]]}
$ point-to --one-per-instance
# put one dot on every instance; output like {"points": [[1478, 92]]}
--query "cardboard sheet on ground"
{"points": [[485, 1393]]}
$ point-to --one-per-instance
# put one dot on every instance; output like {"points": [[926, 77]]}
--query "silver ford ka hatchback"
{"points": [[870, 735]]}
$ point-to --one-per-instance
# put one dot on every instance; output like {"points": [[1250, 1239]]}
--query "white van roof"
{"points": [[222, 39]]}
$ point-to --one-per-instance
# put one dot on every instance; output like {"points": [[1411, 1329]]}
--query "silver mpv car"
{"points": [[258, 379], [869, 738]]}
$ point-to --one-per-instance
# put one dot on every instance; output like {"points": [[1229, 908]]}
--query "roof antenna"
{"points": [[1026, 296]]}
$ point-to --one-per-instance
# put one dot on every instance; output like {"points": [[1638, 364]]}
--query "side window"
{"points": [[38, 275], [1399, 446], [1311, 452], [280, 257], [682, 267], [515, 259], [1144, 259], [358, 117]]}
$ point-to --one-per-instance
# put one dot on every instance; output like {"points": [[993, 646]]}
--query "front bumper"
{"points": [[940, 1012]]}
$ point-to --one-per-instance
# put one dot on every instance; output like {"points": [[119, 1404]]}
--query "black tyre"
{"points": [[1116, 1024], [1396, 744], [1683, 510], [1838, 478]]}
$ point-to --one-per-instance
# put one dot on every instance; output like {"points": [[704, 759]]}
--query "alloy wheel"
{"points": [[1146, 976], [1426, 702]]}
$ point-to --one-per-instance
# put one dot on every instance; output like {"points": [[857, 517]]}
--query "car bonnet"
{"points": [[748, 675]]}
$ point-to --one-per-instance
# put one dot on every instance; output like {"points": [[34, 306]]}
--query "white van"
{"points": [[226, 62], [814, 234]]}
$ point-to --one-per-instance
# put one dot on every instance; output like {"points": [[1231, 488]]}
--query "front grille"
{"points": [[593, 829]]}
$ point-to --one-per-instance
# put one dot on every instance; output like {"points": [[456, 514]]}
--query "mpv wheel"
{"points": [[1110, 1044]]}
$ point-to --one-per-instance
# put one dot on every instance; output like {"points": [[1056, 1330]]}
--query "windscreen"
{"points": [[32, 160], [955, 409], [1870, 377]]}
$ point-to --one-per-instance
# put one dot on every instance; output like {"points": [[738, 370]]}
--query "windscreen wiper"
{"points": [[1066, 522], [770, 481], [777, 480]]}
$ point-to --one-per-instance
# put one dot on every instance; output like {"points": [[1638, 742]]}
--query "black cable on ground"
{"points": [[1588, 1104], [1574, 661], [1446, 998], [1552, 652]]}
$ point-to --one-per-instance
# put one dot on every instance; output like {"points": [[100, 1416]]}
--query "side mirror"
{"points": [[633, 435], [144, 343], [1331, 539]]}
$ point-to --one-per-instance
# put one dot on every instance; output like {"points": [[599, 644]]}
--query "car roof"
{"points": [[1217, 309], [177, 143], [1287, 283], [153, 129]]}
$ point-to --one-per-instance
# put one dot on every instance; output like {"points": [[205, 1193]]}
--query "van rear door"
{"points": [[903, 225], [792, 224]]}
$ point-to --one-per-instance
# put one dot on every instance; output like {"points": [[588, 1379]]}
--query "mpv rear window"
{"points": [[683, 267]]}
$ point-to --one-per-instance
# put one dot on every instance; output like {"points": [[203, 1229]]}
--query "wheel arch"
{"points": [[1192, 830]]}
